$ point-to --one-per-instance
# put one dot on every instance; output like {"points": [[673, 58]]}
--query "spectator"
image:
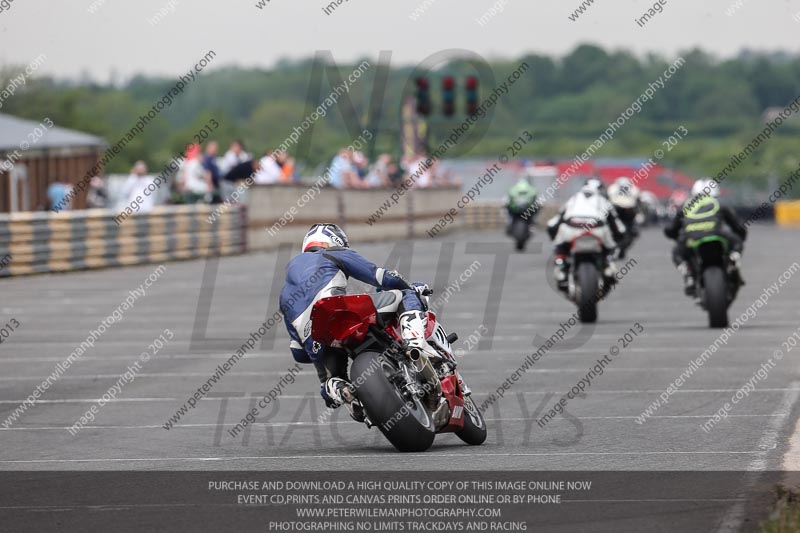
{"points": [[380, 173], [424, 177], [210, 165], [135, 185], [342, 171], [282, 159], [97, 197], [194, 181], [235, 155], [287, 170], [270, 171], [242, 171], [57, 195], [361, 165]]}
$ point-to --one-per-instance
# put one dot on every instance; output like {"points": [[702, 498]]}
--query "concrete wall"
{"points": [[289, 210], [71, 240], [492, 215]]}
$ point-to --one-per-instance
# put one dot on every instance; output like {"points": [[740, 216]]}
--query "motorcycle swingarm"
{"points": [[451, 391]]}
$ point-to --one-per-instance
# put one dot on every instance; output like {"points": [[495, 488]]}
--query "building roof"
{"points": [[14, 130]]}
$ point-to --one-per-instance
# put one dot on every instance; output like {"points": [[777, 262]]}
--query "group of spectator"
{"points": [[203, 176], [210, 178], [352, 170], [207, 177]]}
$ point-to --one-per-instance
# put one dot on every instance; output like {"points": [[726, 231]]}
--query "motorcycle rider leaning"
{"points": [[322, 270], [586, 211], [702, 215]]}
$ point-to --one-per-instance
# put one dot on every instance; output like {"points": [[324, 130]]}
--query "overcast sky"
{"points": [[119, 36]]}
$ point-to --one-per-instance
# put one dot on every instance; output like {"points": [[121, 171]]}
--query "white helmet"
{"points": [[704, 186], [623, 194], [325, 236], [593, 186], [624, 182]]}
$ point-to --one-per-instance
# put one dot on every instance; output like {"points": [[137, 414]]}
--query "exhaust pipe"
{"points": [[440, 409], [424, 367]]}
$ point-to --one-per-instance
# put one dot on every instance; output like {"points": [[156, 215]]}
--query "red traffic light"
{"points": [[472, 95], [423, 96], [448, 96]]}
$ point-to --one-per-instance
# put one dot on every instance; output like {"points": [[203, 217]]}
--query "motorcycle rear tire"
{"points": [[716, 296], [473, 433], [587, 281], [520, 232], [386, 407]]}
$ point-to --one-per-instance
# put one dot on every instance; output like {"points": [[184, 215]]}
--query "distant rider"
{"points": [[520, 202], [322, 270], [702, 215], [625, 197], [586, 211]]}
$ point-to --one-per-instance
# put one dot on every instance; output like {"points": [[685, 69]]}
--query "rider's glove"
{"points": [[422, 288]]}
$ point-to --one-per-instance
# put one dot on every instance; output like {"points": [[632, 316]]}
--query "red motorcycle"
{"points": [[408, 402]]}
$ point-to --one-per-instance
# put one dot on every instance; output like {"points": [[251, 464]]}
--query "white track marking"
{"points": [[74, 377], [303, 396], [580, 352], [133, 356], [424, 455], [259, 373], [285, 424], [791, 460], [734, 517]]}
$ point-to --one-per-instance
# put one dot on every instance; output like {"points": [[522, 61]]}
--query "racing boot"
{"points": [[688, 278], [734, 269], [337, 392], [560, 272], [610, 271]]}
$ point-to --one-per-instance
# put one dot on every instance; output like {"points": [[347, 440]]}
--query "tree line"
{"points": [[566, 102]]}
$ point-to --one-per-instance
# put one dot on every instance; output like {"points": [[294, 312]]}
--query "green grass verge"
{"points": [[785, 515]]}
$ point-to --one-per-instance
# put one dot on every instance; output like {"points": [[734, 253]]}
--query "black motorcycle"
{"points": [[628, 217], [586, 285], [716, 279], [519, 229]]}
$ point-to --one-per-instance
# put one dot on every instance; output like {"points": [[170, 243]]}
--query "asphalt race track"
{"points": [[598, 432], [56, 313]]}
